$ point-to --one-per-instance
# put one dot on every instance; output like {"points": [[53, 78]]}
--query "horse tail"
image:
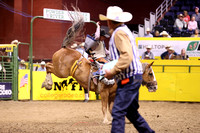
{"points": [[76, 30]]}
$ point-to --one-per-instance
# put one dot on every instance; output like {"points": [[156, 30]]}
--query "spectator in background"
{"points": [[148, 54], [148, 33], [186, 17], [42, 68], [16, 42], [165, 34], [166, 53], [157, 34], [170, 54], [196, 33], [197, 16], [179, 23], [22, 65], [183, 55], [192, 25]]}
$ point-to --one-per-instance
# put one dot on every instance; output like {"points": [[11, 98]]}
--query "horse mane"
{"points": [[76, 30], [143, 66]]}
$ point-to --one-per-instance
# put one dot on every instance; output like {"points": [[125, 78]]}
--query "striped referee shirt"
{"points": [[123, 48]]}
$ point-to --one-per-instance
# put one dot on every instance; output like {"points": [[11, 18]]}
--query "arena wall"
{"points": [[178, 81]]}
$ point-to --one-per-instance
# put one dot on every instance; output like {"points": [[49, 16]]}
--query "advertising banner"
{"points": [[192, 46], [5, 90], [62, 88]]}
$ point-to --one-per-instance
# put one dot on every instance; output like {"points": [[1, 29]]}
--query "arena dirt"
{"points": [[79, 117]]}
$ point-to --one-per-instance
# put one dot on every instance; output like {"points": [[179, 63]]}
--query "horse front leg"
{"points": [[48, 80]]}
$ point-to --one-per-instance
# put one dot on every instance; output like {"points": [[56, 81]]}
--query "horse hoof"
{"points": [[47, 87], [43, 85], [107, 122]]}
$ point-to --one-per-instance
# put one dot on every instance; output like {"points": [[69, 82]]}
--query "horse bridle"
{"points": [[149, 83]]}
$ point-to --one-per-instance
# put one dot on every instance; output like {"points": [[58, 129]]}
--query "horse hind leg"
{"points": [[48, 80], [104, 101]]}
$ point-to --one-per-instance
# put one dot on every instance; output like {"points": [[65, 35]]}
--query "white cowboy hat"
{"points": [[148, 47], [74, 45], [171, 48], [164, 33], [115, 13], [42, 63], [22, 62], [15, 41], [167, 46], [180, 15], [148, 29]]}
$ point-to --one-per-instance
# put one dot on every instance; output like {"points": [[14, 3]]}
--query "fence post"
{"points": [[15, 73], [31, 55]]}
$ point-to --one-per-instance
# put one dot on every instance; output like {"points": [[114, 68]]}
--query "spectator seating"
{"points": [[187, 8], [176, 34], [167, 22]]}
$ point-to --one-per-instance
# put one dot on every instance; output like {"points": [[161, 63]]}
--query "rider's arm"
{"points": [[97, 33], [124, 47]]}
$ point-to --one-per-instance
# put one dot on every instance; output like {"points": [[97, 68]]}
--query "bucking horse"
{"points": [[69, 62]]}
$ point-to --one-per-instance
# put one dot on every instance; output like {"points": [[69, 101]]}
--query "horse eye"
{"points": [[151, 74]]}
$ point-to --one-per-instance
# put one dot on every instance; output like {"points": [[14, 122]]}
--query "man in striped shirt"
{"points": [[127, 71]]}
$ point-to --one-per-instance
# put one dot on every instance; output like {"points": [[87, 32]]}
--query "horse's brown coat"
{"points": [[62, 62]]}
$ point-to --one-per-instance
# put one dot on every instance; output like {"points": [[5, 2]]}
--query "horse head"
{"points": [[149, 79]]}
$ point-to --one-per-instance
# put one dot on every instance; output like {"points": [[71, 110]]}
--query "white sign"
{"points": [[158, 46], [63, 15]]}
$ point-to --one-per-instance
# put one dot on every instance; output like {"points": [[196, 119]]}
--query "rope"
{"points": [[75, 66]]}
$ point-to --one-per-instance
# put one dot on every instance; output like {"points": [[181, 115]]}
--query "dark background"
{"points": [[48, 35]]}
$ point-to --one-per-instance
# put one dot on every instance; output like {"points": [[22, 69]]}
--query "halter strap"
{"points": [[75, 66]]}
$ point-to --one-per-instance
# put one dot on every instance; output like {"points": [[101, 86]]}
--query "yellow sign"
{"points": [[175, 84], [62, 89], [24, 85], [174, 87], [9, 47]]}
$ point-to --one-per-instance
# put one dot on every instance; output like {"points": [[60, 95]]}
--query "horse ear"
{"points": [[149, 65]]}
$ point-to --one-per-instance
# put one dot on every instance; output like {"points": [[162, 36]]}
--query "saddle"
{"points": [[98, 75]]}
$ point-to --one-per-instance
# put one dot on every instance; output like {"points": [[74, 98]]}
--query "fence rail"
{"points": [[164, 7], [189, 66]]}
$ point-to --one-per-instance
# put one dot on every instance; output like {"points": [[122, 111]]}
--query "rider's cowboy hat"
{"points": [[115, 13], [103, 33]]}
